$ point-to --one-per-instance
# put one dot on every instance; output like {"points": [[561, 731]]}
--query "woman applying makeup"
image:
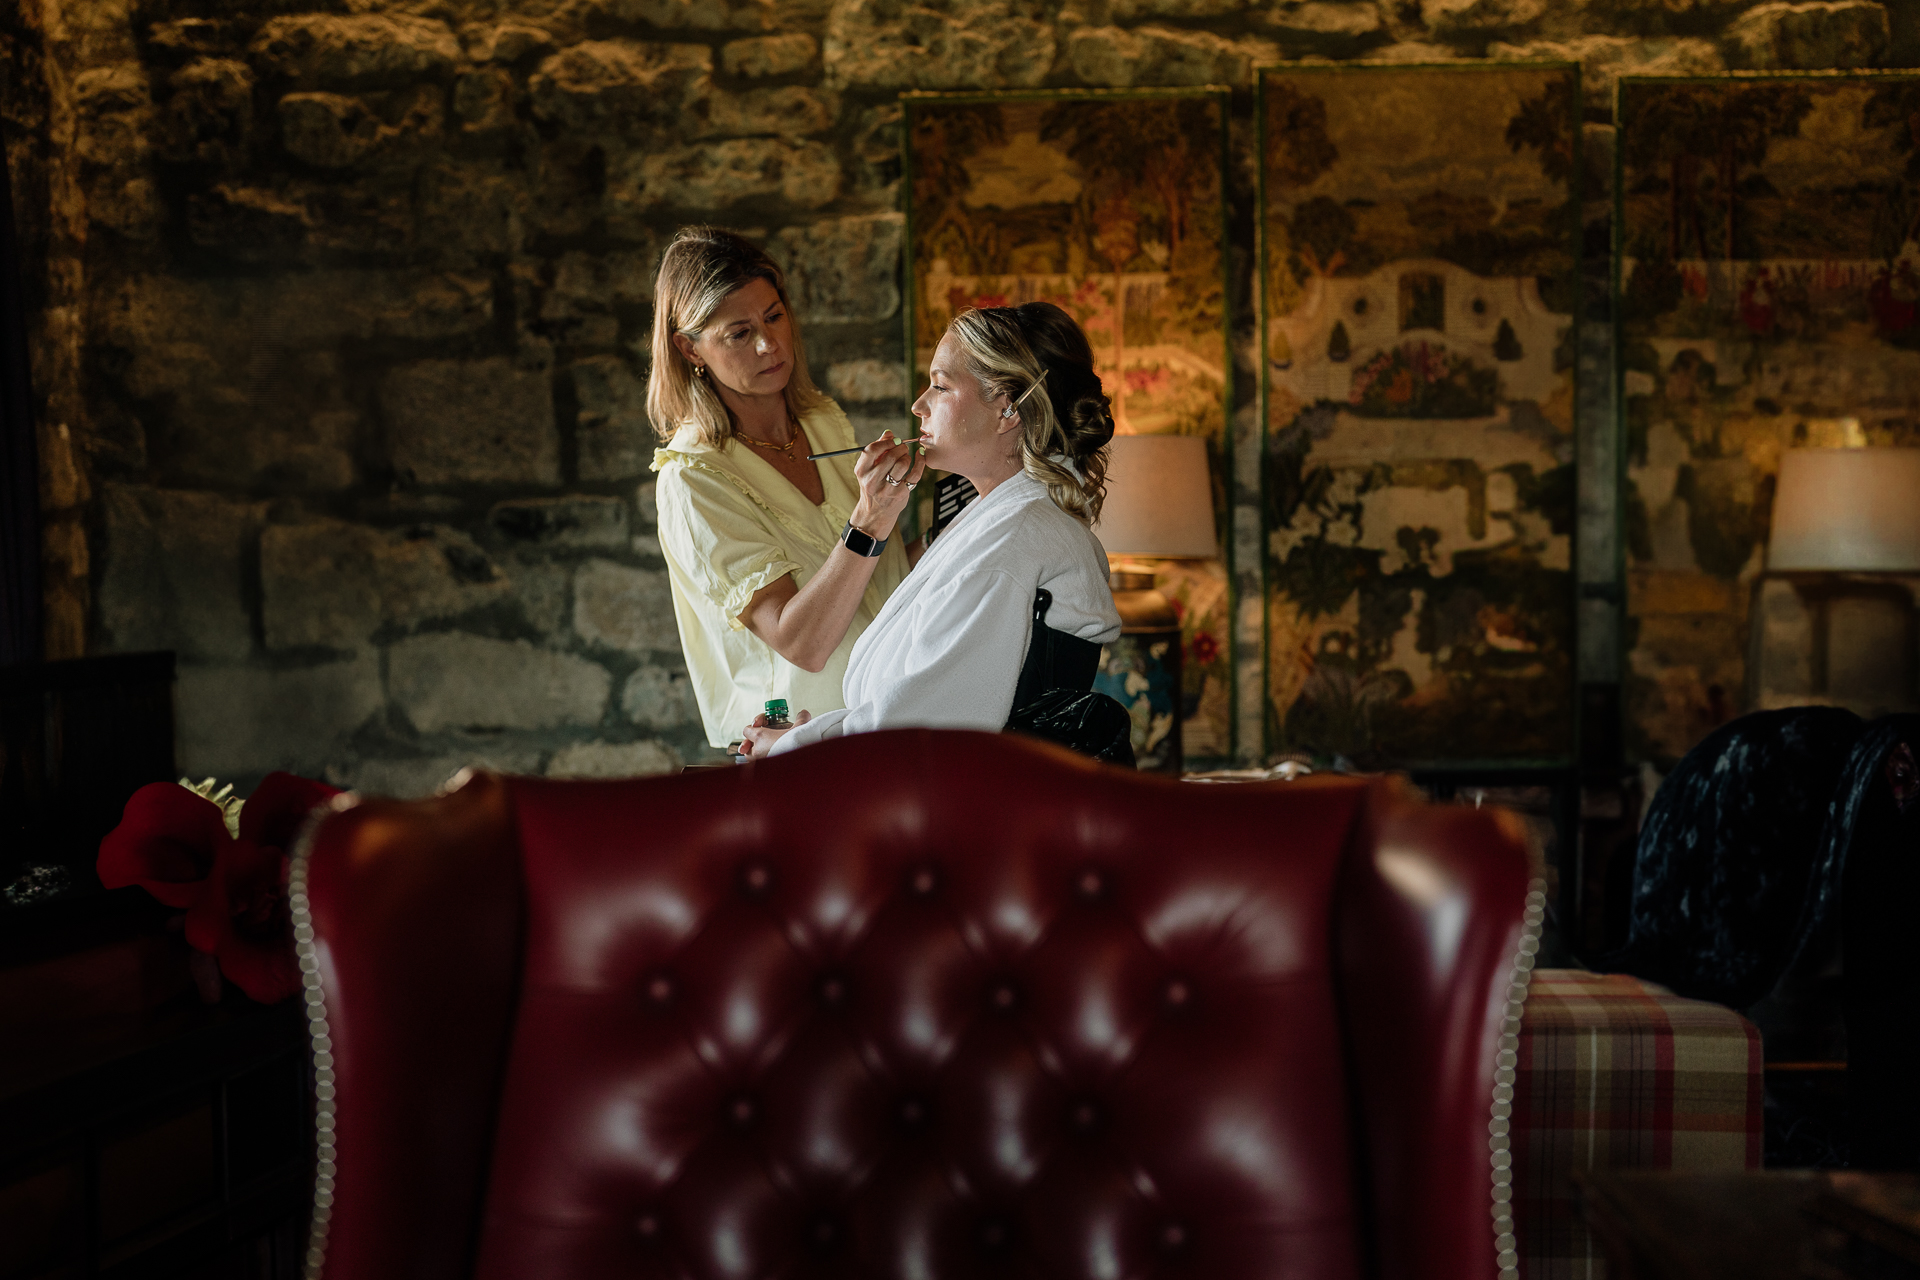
{"points": [[777, 563], [1013, 404]]}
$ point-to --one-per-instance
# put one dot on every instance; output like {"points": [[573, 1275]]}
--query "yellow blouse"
{"points": [[729, 525]]}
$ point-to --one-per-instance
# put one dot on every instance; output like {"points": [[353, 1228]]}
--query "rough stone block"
{"points": [[473, 210], [646, 501], [507, 43], [624, 608], [156, 317], [720, 175], [716, 15], [617, 83], [319, 51], [866, 381], [455, 681], [761, 56], [471, 422], [175, 572], [1603, 59], [540, 591], [1324, 18], [246, 721], [483, 99], [614, 435], [335, 584], [588, 293], [1467, 17], [1136, 10], [1784, 36], [1111, 56], [578, 520], [203, 36], [659, 698], [209, 113], [790, 110], [613, 760], [327, 130], [843, 269], [415, 778], [114, 111], [941, 44]]}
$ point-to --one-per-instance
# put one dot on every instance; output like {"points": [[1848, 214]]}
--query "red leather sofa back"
{"points": [[915, 1003]]}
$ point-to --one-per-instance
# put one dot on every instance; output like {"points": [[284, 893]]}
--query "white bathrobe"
{"points": [[947, 648]]}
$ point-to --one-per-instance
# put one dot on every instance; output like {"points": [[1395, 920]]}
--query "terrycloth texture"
{"points": [[1615, 1073], [729, 525], [946, 650], [1727, 881]]}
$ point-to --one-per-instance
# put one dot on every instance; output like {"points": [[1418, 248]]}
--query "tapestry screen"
{"points": [[1419, 244], [1769, 298]]}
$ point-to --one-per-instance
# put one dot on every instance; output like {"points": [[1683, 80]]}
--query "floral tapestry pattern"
{"points": [[1111, 206], [1420, 242], [1769, 233]]}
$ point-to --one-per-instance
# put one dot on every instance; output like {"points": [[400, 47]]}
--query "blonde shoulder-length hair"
{"points": [[700, 270]]}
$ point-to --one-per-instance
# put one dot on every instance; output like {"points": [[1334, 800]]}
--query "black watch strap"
{"points": [[861, 544]]}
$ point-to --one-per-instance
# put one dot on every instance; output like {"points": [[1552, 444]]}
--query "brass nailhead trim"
{"points": [[1506, 1063], [300, 910]]}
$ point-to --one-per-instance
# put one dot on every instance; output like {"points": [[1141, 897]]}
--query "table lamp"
{"points": [[1845, 523], [1160, 505]]}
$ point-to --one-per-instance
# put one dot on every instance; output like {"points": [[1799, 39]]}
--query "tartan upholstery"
{"points": [[1616, 1073]]}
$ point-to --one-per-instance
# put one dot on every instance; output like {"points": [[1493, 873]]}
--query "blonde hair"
{"points": [[701, 269], [1067, 416]]}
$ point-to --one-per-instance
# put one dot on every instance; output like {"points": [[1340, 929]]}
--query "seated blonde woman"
{"points": [[1013, 404]]}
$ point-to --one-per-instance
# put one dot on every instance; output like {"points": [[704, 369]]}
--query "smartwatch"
{"points": [[861, 544]]}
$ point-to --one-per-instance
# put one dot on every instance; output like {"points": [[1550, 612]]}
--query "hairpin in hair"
{"points": [[1008, 411]]}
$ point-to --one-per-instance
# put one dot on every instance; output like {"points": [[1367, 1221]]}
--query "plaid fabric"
{"points": [[1616, 1073]]}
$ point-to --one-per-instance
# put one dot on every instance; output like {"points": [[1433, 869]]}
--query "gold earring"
{"points": [[700, 371]]}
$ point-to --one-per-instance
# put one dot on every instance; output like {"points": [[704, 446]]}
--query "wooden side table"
{"points": [[1789, 1225]]}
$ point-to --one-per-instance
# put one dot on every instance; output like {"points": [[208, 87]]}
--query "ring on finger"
{"points": [[890, 479]]}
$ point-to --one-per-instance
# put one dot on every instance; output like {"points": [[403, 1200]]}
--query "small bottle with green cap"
{"points": [[777, 717]]}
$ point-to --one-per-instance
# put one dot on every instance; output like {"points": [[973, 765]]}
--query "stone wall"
{"points": [[342, 349]]}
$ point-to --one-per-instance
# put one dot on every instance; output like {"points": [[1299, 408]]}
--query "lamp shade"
{"points": [[1847, 509], [1159, 498]]}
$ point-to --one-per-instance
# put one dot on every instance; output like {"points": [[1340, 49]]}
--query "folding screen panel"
{"points": [[1768, 234], [1419, 244], [1111, 205]]}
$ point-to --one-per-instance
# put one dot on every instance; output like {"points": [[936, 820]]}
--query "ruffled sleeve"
{"points": [[715, 536]]}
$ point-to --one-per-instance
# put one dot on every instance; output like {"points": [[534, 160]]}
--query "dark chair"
{"points": [[911, 1003]]}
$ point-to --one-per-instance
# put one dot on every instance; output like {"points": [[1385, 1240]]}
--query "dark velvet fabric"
{"points": [[1728, 879], [1872, 863]]}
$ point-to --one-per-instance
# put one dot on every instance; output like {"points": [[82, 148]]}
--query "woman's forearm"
{"points": [[806, 624]]}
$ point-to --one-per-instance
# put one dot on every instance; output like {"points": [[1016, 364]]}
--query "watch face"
{"points": [[862, 544]]}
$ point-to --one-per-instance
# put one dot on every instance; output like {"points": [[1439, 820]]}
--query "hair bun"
{"points": [[1082, 408]]}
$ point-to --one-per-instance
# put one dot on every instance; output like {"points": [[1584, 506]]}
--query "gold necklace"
{"points": [[787, 448]]}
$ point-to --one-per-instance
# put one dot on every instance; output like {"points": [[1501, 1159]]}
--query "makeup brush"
{"points": [[834, 453]]}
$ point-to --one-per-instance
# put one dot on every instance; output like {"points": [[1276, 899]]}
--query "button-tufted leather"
{"points": [[913, 1004]]}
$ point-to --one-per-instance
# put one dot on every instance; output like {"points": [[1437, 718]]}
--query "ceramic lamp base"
{"points": [[1141, 670]]}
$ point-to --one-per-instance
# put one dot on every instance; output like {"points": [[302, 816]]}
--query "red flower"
{"points": [[175, 845], [1203, 647], [165, 843]]}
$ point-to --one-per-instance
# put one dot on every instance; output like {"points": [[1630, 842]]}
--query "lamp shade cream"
{"points": [[1159, 498], [1847, 509]]}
